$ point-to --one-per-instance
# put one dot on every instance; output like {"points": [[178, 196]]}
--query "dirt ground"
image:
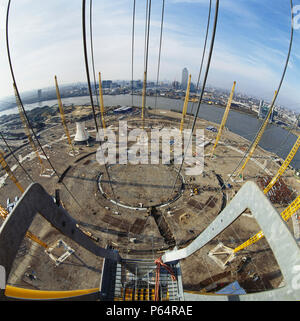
{"points": [[182, 213]]}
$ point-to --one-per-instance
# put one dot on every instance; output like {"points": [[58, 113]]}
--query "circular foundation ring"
{"points": [[121, 187]]}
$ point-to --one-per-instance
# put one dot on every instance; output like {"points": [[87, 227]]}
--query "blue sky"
{"points": [[251, 44]]}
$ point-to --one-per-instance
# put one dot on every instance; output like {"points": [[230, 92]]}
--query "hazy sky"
{"points": [[251, 43]]}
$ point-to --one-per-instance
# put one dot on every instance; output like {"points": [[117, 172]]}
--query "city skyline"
{"points": [[42, 94], [251, 44]]}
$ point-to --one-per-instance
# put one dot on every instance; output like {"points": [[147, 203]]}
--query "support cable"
{"points": [[9, 172], [289, 51], [203, 87], [22, 107], [159, 52], [15, 157], [200, 71], [275, 96], [90, 91], [277, 91], [202, 59], [201, 66], [132, 50], [92, 49], [146, 54]]}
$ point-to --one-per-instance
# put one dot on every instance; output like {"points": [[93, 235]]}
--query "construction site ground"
{"points": [[180, 213]]}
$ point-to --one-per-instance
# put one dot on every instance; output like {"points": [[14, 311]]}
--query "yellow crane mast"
{"points": [[31, 236], [9, 172], [286, 214], [252, 149], [284, 166], [62, 115], [185, 105], [224, 118]]}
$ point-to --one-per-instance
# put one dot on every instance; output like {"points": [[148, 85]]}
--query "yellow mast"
{"points": [[259, 135], [10, 173], [34, 238], [101, 102], [224, 118], [62, 115], [186, 101], [284, 166], [285, 214]]}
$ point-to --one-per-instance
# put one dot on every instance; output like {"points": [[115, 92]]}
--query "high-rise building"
{"points": [[263, 111], [175, 84], [106, 83], [136, 84], [39, 93], [184, 78], [261, 104]]}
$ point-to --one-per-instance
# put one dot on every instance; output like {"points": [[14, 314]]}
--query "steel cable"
{"points": [[15, 157], [203, 87], [91, 95], [23, 109], [159, 52]]}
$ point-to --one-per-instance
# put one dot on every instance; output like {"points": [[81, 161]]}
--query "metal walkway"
{"points": [[134, 280]]}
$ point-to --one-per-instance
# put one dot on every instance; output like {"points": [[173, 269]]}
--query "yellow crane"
{"points": [[3, 211], [284, 166], [252, 149], [286, 214], [185, 105], [289, 211], [31, 236], [9, 172], [224, 119], [62, 115]]}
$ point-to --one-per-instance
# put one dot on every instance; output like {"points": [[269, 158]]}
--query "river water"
{"points": [[275, 139]]}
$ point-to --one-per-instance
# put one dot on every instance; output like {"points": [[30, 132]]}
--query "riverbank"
{"points": [[275, 139]]}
